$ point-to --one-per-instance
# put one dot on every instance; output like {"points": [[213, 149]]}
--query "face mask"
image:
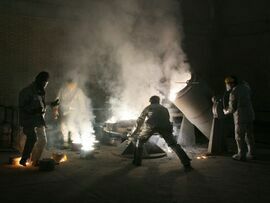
{"points": [[228, 87], [46, 84], [42, 85]]}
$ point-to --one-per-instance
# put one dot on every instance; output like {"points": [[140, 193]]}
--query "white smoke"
{"points": [[76, 116], [134, 49]]}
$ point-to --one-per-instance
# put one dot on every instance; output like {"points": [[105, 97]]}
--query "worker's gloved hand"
{"points": [[129, 134], [124, 138], [55, 103], [55, 112], [225, 111]]}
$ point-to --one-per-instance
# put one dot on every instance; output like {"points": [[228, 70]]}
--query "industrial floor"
{"points": [[107, 177]]}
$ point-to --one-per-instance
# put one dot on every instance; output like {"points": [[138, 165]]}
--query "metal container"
{"points": [[194, 101], [46, 165]]}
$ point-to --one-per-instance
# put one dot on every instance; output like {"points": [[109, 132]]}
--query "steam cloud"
{"points": [[133, 47]]}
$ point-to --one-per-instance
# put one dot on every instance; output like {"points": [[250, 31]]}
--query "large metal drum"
{"points": [[194, 101]]}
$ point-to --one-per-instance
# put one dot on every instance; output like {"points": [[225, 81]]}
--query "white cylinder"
{"points": [[187, 134], [195, 102]]}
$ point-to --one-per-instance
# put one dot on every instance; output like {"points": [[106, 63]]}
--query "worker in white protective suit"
{"points": [[73, 112], [240, 106]]}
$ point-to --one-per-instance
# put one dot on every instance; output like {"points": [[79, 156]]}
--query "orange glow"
{"points": [[63, 159], [201, 157], [16, 162], [59, 157]]}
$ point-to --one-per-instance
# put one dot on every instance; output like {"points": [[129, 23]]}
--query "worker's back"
{"points": [[157, 116]]}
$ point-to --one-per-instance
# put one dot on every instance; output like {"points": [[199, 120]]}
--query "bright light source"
{"points": [[177, 83], [59, 157], [112, 120], [84, 136], [124, 113], [63, 159], [201, 157]]}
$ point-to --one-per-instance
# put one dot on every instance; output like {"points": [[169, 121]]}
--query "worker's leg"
{"points": [[240, 141], [64, 131], [75, 134], [74, 129], [31, 139], [144, 135], [250, 141], [40, 144], [168, 137]]}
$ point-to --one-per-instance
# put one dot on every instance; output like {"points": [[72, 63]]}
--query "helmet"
{"points": [[154, 99], [230, 80], [41, 81], [42, 77]]}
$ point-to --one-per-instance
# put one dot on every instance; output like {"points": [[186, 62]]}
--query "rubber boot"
{"points": [[240, 156], [137, 160], [250, 155], [23, 162], [185, 160]]}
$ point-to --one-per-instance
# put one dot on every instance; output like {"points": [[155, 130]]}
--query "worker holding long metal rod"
{"points": [[155, 118]]}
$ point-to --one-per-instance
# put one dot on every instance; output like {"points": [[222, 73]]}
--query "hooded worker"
{"points": [[240, 106], [155, 118], [32, 108]]}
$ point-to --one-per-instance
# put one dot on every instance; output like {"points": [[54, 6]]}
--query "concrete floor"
{"points": [[110, 178]]}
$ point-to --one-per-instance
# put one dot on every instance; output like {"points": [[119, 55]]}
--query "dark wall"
{"points": [[224, 37], [221, 37], [33, 37]]}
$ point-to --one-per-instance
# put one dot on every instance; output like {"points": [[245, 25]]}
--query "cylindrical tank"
{"points": [[194, 101]]}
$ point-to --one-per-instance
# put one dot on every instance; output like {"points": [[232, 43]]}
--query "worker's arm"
{"points": [[56, 102], [140, 121], [232, 104]]}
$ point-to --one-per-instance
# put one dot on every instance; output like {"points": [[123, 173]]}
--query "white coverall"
{"points": [[74, 113], [40, 144], [243, 114]]}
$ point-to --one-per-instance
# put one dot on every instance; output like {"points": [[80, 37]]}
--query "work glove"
{"points": [[225, 111], [55, 103], [129, 134], [55, 112]]}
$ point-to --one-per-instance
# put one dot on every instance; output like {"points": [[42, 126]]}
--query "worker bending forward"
{"points": [[155, 118]]}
